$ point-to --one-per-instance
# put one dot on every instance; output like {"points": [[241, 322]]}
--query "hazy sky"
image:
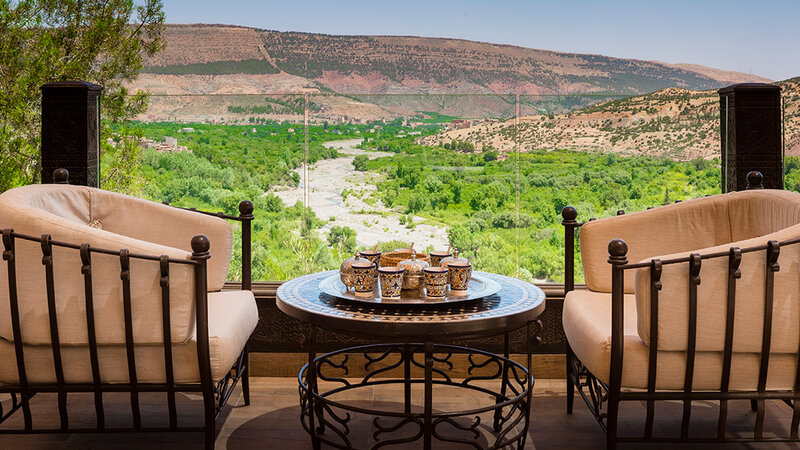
{"points": [[757, 37]]}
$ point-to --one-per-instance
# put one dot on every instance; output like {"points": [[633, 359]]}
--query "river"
{"points": [[375, 223]]}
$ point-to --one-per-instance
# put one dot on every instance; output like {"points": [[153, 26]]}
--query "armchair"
{"points": [[700, 303], [102, 292]]}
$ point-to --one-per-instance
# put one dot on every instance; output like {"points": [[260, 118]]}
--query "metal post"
{"points": [[617, 251], [428, 413], [311, 384], [569, 214], [201, 254]]}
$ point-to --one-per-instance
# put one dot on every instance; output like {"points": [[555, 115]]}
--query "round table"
{"points": [[411, 330]]}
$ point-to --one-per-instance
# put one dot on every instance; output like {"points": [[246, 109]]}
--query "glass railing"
{"points": [[791, 138], [485, 173]]}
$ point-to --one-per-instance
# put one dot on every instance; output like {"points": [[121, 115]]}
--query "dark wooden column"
{"points": [[750, 121], [71, 131]]}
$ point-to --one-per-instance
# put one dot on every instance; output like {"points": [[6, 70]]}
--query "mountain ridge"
{"points": [[415, 64]]}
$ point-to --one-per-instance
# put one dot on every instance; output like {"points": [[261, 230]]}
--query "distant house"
{"points": [[459, 124], [147, 143], [167, 145], [186, 130]]}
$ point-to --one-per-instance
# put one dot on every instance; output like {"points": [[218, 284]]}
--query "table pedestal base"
{"points": [[499, 387]]}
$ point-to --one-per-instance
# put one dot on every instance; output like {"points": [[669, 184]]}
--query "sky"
{"points": [[746, 36]]}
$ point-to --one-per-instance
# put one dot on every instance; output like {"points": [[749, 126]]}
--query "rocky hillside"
{"points": [[672, 122], [223, 59], [392, 64]]}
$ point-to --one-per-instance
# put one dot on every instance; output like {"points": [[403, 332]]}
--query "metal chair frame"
{"points": [[604, 399], [215, 395]]}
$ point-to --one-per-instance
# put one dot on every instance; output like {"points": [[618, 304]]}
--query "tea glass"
{"points": [[391, 282], [435, 282], [374, 257], [460, 273], [363, 278], [437, 257]]}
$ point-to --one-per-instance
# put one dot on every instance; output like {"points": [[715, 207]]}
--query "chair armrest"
{"points": [[678, 227]]}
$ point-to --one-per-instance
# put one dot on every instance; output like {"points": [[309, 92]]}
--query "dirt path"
{"points": [[372, 223]]}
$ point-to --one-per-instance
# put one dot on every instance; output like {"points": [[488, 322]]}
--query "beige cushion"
{"points": [[232, 317], [140, 226], [684, 227], [759, 212], [712, 293], [587, 325]]}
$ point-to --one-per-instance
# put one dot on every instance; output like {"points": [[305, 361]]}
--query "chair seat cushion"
{"points": [[232, 317], [587, 326]]}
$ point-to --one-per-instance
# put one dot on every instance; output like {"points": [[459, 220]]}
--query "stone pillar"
{"points": [[71, 131], [750, 134]]}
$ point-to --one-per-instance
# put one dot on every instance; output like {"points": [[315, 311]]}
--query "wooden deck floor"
{"points": [[272, 420]]}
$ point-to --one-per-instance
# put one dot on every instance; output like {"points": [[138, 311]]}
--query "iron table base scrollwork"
{"points": [[330, 422]]}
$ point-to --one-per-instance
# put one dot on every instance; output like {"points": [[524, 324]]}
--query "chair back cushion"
{"points": [[751, 212], [692, 224]]}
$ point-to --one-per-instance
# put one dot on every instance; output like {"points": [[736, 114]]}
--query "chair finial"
{"points": [[569, 213], [755, 180], [246, 208], [61, 176], [617, 249], [200, 244]]}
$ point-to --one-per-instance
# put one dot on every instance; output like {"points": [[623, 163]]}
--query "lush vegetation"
{"points": [[227, 164], [275, 105], [502, 210]]}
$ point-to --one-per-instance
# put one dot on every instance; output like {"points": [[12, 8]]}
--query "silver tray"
{"points": [[479, 287]]}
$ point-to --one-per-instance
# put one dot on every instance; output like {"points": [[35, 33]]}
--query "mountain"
{"points": [[204, 59], [675, 123]]}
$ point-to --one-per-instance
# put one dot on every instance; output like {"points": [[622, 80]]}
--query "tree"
{"points": [[417, 202], [52, 40], [360, 162], [490, 196], [344, 237]]}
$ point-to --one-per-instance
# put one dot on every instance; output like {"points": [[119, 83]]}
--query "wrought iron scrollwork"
{"points": [[401, 424], [224, 387], [471, 429], [593, 391], [383, 356], [441, 372], [329, 420]]}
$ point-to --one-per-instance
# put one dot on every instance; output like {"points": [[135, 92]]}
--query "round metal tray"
{"points": [[479, 287]]}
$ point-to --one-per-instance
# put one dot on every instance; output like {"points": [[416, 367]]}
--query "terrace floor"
{"points": [[272, 420]]}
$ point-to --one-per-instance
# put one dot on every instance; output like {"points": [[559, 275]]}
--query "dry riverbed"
{"points": [[373, 223]]}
